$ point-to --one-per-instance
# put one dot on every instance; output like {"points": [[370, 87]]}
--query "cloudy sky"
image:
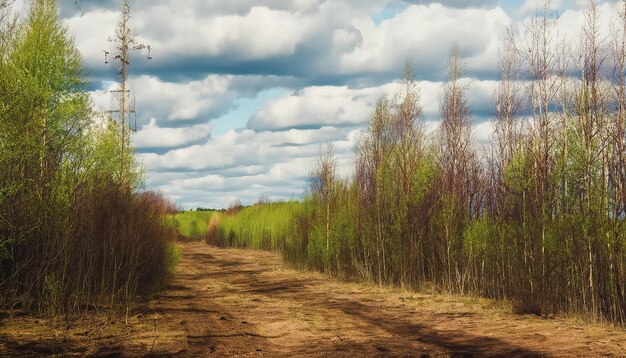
{"points": [[239, 94]]}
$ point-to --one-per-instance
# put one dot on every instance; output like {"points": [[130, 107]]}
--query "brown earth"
{"points": [[233, 302]]}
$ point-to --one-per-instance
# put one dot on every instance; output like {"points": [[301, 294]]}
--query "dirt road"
{"points": [[232, 302]]}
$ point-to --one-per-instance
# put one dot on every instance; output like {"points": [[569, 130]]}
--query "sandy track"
{"points": [[233, 302]]}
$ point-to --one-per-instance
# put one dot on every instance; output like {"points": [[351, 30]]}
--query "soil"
{"points": [[234, 302]]}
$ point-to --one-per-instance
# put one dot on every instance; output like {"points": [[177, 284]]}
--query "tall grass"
{"points": [[262, 226], [192, 224]]}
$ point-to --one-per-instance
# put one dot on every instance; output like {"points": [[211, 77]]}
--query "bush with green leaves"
{"points": [[73, 234]]}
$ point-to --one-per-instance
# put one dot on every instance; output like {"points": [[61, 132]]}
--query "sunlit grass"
{"points": [[174, 253], [192, 224], [259, 226]]}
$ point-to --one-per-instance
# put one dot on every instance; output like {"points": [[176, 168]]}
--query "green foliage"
{"points": [[262, 226], [193, 224], [477, 236], [543, 225], [72, 233], [174, 254], [422, 180], [541, 220], [517, 174], [102, 154]]}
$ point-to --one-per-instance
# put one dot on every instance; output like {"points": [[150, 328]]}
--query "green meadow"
{"points": [[259, 226], [192, 224]]}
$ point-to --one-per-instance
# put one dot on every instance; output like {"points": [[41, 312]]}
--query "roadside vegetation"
{"points": [[192, 224], [538, 217], [76, 231], [262, 226]]}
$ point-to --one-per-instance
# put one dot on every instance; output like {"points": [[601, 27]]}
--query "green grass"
{"points": [[173, 257], [259, 226], [193, 224]]}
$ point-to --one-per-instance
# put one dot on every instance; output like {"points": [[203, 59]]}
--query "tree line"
{"points": [[76, 231], [537, 217]]}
